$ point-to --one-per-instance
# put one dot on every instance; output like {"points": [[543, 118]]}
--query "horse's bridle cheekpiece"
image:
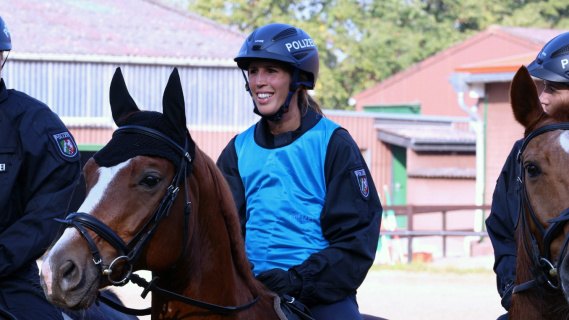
{"points": [[544, 271]]}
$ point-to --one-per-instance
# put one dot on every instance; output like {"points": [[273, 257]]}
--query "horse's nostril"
{"points": [[70, 275], [67, 269]]}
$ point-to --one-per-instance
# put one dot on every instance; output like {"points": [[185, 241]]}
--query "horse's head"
{"points": [[131, 186], [545, 184]]}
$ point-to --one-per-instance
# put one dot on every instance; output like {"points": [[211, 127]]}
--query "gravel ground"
{"points": [[402, 295], [440, 293]]}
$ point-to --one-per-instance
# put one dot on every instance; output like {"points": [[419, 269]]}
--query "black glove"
{"points": [[281, 281]]}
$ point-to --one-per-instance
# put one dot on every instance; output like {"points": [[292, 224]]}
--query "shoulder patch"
{"points": [[361, 179], [65, 144]]}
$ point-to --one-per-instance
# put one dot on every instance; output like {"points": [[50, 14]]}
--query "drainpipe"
{"points": [[477, 124]]}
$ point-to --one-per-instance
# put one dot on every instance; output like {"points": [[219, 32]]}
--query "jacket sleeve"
{"points": [[502, 221], [227, 163], [350, 221], [44, 187]]}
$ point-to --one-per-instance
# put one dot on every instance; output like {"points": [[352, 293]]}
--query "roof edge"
{"points": [[195, 62], [493, 30]]}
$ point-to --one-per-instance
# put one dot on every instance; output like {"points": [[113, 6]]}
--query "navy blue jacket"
{"points": [[350, 222], [501, 224], [39, 167]]}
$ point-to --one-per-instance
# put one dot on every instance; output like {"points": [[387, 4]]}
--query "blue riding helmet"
{"points": [[284, 43], [5, 39], [552, 62], [288, 45]]}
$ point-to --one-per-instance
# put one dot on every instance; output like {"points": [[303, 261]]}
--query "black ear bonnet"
{"points": [[129, 140]]}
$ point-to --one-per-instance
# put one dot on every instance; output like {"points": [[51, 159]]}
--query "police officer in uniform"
{"points": [[551, 65], [39, 168], [308, 206]]}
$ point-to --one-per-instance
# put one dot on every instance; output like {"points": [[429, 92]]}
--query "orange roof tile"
{"points": [[501, 65]]}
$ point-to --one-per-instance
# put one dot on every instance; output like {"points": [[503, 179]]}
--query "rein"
{"points": [[545, 271], [81, 221]]}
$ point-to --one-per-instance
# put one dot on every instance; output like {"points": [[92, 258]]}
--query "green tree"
{"points": [[362, 42]]}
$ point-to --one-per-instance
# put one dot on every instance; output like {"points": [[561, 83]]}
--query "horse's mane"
{"points": [[229, 211]]}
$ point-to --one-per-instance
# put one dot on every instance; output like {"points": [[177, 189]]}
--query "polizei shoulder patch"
{"points": [[65, 145], [361, 179]]}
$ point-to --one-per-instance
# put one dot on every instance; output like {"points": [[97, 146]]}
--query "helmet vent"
{"points": [[560, 51], [251, 36], [286, 33], [300, 55], [256, 47]]}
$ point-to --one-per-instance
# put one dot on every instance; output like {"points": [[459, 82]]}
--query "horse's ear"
{"points": [[122, 103], [524, 98], [173, 103]]}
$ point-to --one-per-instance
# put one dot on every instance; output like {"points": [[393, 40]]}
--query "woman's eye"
{"points": [[532, 170], [149, 181]]}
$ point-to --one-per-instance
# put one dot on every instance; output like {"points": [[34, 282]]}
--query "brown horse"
{"points": [[542, 274], [131, 219]]}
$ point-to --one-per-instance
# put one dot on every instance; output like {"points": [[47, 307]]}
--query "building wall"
{"points": [[427, 82], [440, 160], [502, 131], [215, 95], [439, 191]]}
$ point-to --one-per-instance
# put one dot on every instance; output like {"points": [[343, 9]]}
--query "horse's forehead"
{"points": [[105, 176], [547, 144]]}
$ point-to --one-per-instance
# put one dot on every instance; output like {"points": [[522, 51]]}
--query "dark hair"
{"points": [[305, 100]]}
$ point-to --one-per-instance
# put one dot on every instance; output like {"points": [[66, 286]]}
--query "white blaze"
{"points": [[564, 141]]}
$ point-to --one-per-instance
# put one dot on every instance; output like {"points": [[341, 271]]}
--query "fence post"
{"points": [[444, 236], [410, 237]]}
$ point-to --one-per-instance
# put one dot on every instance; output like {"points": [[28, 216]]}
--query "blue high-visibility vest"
{"points": [[285, 190]]}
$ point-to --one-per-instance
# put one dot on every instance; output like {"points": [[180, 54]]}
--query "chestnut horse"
{"points": [[132, 220], [542, 274]]}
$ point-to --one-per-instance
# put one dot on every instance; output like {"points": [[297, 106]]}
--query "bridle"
{"points": [[544, 271], [82, 221]]}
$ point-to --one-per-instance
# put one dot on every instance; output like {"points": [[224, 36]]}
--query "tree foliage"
{"points": [[362, 42]]}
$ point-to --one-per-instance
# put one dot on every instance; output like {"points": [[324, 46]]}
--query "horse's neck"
{"points": [[207, 271]]}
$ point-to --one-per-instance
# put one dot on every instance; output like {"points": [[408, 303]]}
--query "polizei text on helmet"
{"points": [[300, 44]]}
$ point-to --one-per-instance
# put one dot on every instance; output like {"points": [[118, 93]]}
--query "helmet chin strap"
{"points": [[5, 59], [277, 116]]}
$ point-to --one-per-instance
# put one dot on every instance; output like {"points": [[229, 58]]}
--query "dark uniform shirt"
{"points": [[39, 167], [350, 221], [501, 224]]}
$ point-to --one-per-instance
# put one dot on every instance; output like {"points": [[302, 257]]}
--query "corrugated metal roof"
{"points": [[139, 28], [428, 138]]}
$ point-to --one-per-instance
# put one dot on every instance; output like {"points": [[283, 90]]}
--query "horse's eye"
{"points": [[532, 170], [149, 181]]}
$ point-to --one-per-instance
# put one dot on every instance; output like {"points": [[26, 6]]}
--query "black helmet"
{"points": [[552, 62], [5, 39], [281, 42]]}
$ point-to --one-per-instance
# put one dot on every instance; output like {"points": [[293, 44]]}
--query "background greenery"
{"points": [[362, 42]]}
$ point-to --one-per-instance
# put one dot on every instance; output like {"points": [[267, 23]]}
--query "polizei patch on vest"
{"points": [[361, 179], [65, 144]]}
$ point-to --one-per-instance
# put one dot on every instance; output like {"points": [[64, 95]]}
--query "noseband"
{"points": [[81, 221], [544, 270]]}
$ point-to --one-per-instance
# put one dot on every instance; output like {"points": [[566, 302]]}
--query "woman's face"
{"points": [[269, 83], [555, 97]]}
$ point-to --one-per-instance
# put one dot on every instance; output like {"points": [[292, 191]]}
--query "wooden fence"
{"points": [[410, 233]]}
